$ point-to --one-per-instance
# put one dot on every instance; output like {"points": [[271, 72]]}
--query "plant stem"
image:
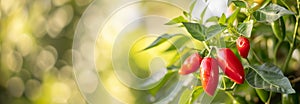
{"points": [[276, 50], [224, 84], [205, 45], [269, 99], [257, 58], [295, 80], [292, 44], [248, 61], [229, 94], [233, 85]]}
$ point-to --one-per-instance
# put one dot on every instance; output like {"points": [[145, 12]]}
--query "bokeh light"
{"points": [[36, 51]]}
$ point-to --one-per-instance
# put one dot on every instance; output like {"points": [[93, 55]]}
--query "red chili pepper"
{"points": [[209, 73], [231, 65], [243, 46], [191, 64]]}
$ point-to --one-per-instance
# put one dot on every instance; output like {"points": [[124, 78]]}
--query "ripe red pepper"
{"points": [[191, 64], [231, 65], [243, 46], [209, 74]]}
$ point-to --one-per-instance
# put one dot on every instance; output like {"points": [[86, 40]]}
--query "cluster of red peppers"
{"points": [[209, 66]]}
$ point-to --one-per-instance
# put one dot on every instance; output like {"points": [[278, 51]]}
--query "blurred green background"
{"points": [[36, 49], [36, 57], [36, 39]]}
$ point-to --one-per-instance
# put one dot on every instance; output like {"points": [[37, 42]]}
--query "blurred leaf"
{"points": [[212, 19], [290, 98], [222, 19], [195, 94], [192, 6], [176, 20], [233, 16], [186, 14], [185, 96], [270, 13], [206, 99], [175, 62], [269, 77], [223, 97], [202, 14], [178, 43], [214, 30], [240, 4], [196, 30], [220, 98], [171, 67], [239, 100], [159, 40], [262, 94], [189, 96], [166, 78], [278, 28], [245, 28]]}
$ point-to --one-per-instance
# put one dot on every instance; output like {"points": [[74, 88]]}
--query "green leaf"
{"points": [[240, 4], [185, 96], [222, 19], [195, 94], [159, 40], [178, 43], [189, 96], [192, 6], [186, 14], [176, 20], [290, 98], [212, 19], [214, 30], [202, 15], [269, 77], [245, 28], [196, 30], [270, 13], [233, 16], [262, 94], [170, 74], [204, 98]]}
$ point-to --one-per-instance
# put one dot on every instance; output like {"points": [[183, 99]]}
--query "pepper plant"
{"points": [[248, 48]]}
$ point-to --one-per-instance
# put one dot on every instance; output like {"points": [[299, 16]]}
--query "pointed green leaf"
{"points": [[176, 20], [233, 16], [214, 30], [196, 30], [186, 14], [269, 77], [202, 15], [170, 74], [192, 6], [240, 4], [270, 13], [212, 19], [159, 40], [189, 96], [222, 19], [195, 94], [185, 96], [245, 28], [178, 43], [262, 94]]}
